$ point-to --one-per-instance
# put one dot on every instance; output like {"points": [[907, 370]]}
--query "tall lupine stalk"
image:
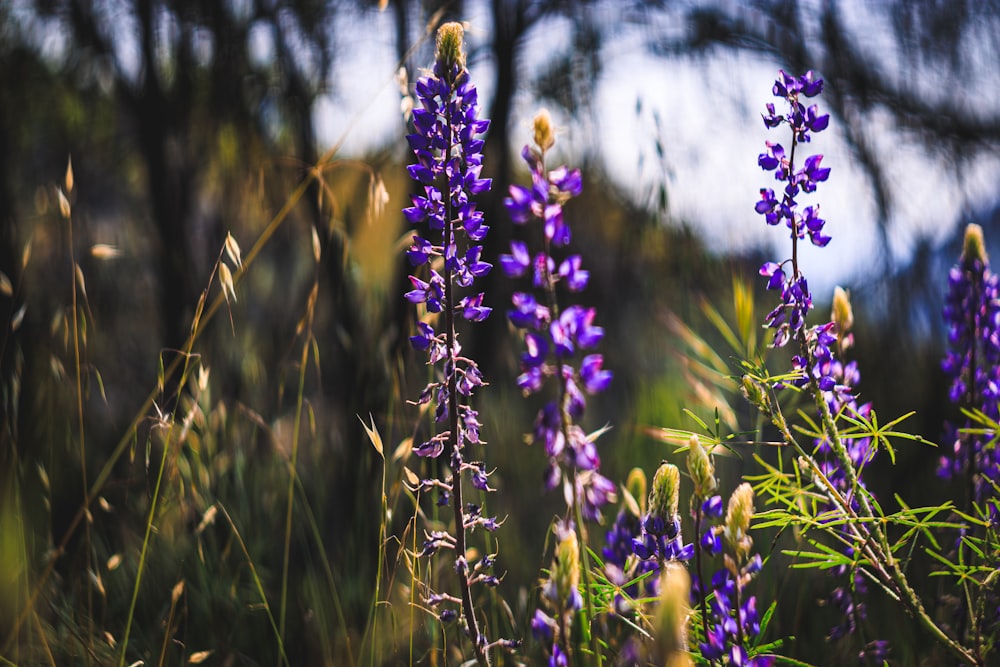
{"points": [[972, 314], [449, 161], [861, 527], [558, 339], [705, 505], [734, 623]]}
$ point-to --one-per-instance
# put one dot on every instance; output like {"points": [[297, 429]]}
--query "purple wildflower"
{"points": [[733, 623], [559, 341], [788, 318], [448, 166], [972, 313]]}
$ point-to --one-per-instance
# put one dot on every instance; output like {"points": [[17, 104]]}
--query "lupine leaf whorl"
{"points": [[450, 46], [701, 468]]}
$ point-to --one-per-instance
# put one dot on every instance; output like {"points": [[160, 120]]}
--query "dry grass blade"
{"points": [[5, 286], [69, 174]]}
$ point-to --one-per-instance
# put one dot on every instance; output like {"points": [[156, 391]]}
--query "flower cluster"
{"points": [[448, 166], [972, 314], [788, 319], [620, 565], [555, 337], [849, 600], [841, 397], [661, 527], [734, 622], [561, 595]]}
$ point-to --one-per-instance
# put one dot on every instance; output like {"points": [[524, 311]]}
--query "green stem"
{"points": [[479, 642], [292, 474]]}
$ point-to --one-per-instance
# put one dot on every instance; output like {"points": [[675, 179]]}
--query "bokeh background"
{"points": [[187, 121]]}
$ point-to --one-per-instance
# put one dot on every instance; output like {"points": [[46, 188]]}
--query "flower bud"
{"points": [[450, 50], [635, 484], [701, 468], [545, 137], [843, 314], [664, 497], [738, 515], [566, 568], [973, 247], [672, 615], [755, 395]]}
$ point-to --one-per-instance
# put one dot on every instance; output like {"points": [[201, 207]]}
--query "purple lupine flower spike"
{"points": [[972, 314], [558, 340], [448, 167], [788, 319]]}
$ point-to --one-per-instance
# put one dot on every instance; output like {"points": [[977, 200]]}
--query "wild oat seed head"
{"points": [[701, 468], [973, 247], [665, 496], [545, 136], [450, 51]]}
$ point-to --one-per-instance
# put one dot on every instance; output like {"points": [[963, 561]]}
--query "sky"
{"points": [[711, 130]]}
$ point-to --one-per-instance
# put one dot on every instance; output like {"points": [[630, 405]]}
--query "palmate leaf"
{"points": [[868, 427], [825, 559], [964, 573], [711, 438], [920, 521]]}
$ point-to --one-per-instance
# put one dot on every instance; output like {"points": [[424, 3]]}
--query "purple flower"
{"points": [[972, 314], [447, 166], [556, 337]]}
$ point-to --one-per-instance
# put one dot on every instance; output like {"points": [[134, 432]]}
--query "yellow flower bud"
{"points": [[545, 137], [635, 484], [664, 497], [566, 568], [672, 615], [450, 50], [701, 468], [739, 512], [843, 314], [974, 247]]}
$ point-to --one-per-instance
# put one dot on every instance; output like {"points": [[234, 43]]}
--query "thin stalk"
{"points": [[702, 605], [203, 317], [153, 506], [451, 370], [292, 476], [879, 556], [80, 430]]}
